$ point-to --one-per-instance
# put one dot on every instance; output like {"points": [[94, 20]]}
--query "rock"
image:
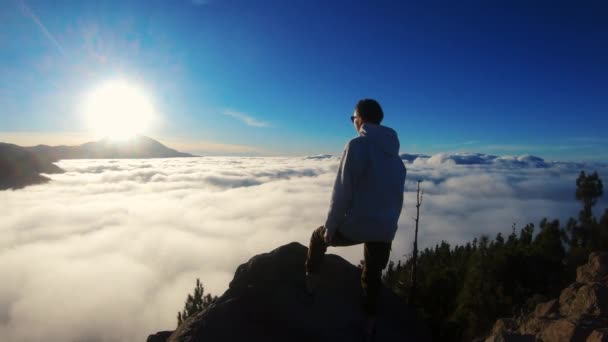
{"points": [[504, 325], [548, 309], [266, 301], [579, 314], [564, 330], [567, 297], [160, 336], [510, 337], [595, 270], [588, 300], [598, 335], [533, 325]]}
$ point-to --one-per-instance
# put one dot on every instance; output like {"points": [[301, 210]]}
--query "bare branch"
{"points": [[415, 254]]}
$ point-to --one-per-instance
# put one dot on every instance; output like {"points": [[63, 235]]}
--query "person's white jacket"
{"points": [[368, 192]]}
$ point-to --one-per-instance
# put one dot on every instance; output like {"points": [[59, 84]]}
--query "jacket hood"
{"points": [[385, 138]]}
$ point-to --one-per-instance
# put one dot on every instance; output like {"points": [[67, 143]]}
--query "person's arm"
{"points": [[350, 169]]}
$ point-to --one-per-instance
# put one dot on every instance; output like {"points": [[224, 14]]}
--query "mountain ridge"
{"points": [[136, 148], [22, 166]]}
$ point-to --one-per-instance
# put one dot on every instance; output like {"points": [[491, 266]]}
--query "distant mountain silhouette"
{"points": [[412, 157], [136, 148], [20, 167]]}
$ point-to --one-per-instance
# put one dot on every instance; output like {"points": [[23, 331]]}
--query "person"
{"points": [[365, 204]]}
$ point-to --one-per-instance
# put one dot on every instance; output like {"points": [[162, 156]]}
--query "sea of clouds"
{"points": [[109, 250]]}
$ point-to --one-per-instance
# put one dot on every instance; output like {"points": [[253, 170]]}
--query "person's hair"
{"points": [[370, 110]]}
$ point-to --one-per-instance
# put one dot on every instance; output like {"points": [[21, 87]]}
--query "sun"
{"points": [[118, 110]]}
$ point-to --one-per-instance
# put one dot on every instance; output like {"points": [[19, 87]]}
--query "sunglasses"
{"points": [[352, 118]]}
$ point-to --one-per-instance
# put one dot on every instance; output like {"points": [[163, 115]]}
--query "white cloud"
{"points": [[463, 158], [27, 11], [245, 118], [108, 250]]}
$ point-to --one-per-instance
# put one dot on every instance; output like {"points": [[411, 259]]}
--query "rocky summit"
{"points": [[267, 301], [579, 314]]}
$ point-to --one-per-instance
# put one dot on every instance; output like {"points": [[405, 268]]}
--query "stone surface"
{"points": [[504, 325], [160, 336], [533, 325], [548, 309], [588, 300], [267, 301], [579, 314], [510, 337], [598, 335], [568, 296], [595, 270], [563, 330]]}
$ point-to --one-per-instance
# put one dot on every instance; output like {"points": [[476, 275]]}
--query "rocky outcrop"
{"points": [[579, 314], [160, 336], [266, 301]]}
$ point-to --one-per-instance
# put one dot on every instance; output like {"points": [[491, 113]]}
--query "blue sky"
{"points": [[500, 77]]}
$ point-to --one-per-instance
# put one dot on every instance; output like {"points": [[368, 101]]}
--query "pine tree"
{"points": [[463, 289], [588, 190], [195, 302]]}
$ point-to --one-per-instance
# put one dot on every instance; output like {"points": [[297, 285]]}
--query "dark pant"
{"points": [[375, 254]]}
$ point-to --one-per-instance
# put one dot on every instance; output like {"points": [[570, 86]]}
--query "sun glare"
{"points": [[118, 110]]}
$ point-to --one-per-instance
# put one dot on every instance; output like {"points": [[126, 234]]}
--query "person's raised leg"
{"points": [[316, 251], [376, 255]]}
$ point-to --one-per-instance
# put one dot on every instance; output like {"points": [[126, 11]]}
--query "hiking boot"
{"points": [[312, 282]]}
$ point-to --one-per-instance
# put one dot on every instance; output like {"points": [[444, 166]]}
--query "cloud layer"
{"points": [[109, 250]]}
